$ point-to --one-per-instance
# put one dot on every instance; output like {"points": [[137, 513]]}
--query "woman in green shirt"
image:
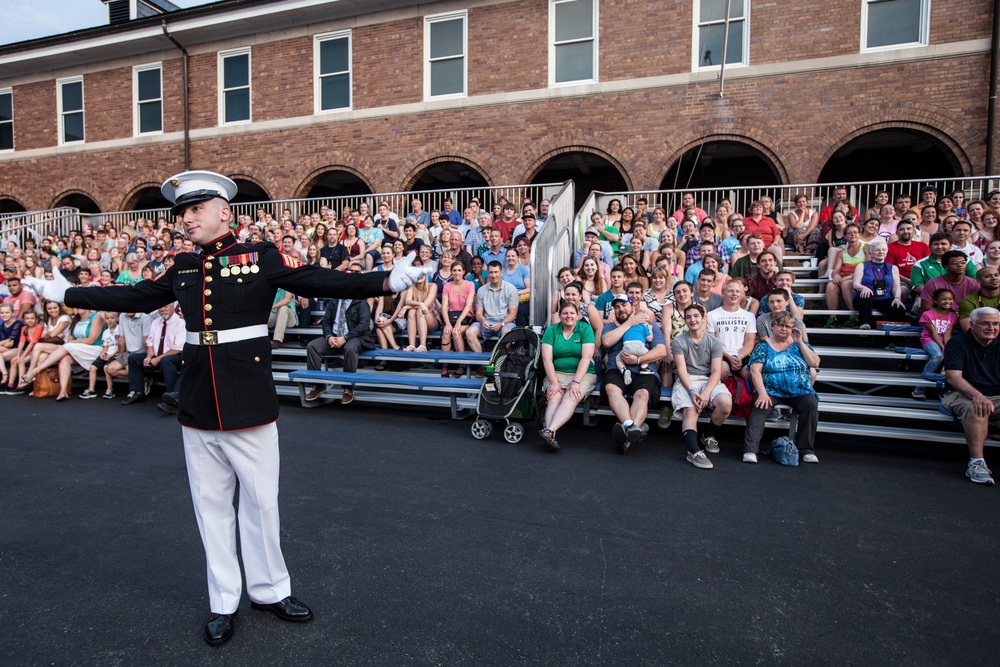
{"points": [[568, 362]]}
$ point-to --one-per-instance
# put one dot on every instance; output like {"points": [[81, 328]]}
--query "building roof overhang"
{"points": [[197, 25]]}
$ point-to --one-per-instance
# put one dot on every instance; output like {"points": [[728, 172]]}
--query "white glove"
{"points": [[404, 275], [50, 290]]}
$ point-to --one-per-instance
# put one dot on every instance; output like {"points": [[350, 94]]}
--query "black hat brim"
{"points": [[184, 201]]}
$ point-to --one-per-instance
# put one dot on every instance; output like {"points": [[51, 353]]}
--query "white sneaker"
{"points": [[810, 458], [979, 473], [710, 444], [749, 457], [627, 376], [699, 460]]}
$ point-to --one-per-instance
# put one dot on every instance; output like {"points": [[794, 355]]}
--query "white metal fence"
{"points": [[551, 250], [399, 203], [860, 195], [38, 224]]}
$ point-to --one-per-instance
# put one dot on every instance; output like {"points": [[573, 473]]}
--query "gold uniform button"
{"points": [[256, 358], [210, 257], [208, 279], [208, 292], [208, 321], [208, 265], [208, 306]]}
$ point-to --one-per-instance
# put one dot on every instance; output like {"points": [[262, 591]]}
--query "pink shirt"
{"points": [[941, 324], [457, 301]]}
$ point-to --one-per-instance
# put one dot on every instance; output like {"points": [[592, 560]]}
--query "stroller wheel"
{"points": [[481, 429], [513, 433]]}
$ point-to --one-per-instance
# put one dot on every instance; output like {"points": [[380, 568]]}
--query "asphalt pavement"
{"points": [[416, 544]]}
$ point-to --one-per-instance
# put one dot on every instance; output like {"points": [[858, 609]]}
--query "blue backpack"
{"points": [[784, 451]]}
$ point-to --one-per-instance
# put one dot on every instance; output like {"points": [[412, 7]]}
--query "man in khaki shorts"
{"points": [[972, 369]]}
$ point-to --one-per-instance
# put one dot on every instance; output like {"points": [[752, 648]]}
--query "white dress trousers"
{"points": [[215, 460]]}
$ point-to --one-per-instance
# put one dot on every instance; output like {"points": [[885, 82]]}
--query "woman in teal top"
{"points": [[83, 347], [568, 362], [781, 369], [283, 315]]}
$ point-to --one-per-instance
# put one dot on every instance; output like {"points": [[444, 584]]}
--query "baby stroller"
{"points": [[509, 388]]}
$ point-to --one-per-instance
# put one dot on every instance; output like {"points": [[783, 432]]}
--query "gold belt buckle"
{"points": [[208, 337]]}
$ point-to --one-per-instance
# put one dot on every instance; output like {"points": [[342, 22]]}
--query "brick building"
{"points": [[296, 98]]}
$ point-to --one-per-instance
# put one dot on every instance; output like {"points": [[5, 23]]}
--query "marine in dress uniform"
{"points": [[227, 404]]}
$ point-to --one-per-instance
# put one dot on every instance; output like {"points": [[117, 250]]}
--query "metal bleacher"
{"points": [[864, 383]]}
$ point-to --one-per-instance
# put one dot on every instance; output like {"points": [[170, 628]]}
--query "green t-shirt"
{"points": [[566, 352], [973, 301], [614, 244], [604, 302], [929, 267]]}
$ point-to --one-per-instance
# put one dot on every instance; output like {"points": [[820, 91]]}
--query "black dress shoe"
{"points": [[219, 629], [166, 407], [288, 609], [170, 398], [134, 397]]}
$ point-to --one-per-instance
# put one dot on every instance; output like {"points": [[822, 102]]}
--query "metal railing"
{"points": [[551, 250], [399, 203], [38, 224], [860, 195]]}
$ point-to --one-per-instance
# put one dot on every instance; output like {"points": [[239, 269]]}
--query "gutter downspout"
{"points": [[991, 109], [187, 122]]}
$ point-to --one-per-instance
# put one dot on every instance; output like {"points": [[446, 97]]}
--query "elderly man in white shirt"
{"points": [[164, 345]]}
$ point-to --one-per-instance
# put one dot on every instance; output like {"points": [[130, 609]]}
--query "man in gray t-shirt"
{"points": [[698, 355], [777, 301], [698, 359], [703, 294], [496, 308]]}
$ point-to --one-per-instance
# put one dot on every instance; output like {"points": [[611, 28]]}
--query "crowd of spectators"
{"points": [[639, 280]]}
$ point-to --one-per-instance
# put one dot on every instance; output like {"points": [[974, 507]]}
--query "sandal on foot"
{"points": [[421, 348], [408, 348], [381, 366]]}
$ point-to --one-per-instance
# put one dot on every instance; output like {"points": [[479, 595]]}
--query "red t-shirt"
{"points": [[506, 229], [825, 219], [904, 257], [766, 228]]}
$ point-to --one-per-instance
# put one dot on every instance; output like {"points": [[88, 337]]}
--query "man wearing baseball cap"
{"points": [[227, 405]]}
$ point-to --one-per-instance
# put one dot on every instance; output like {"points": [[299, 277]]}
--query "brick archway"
{"points": [[5, 197], [950, 130], [255, 181], [306, 182], [440, 151], [298, 180], [575, 141], [127, 198], [762, 140], [54, 202]]}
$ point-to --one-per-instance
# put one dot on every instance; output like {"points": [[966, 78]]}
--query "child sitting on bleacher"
{"points": [[636, 340], [112, 347], [937, 322]]}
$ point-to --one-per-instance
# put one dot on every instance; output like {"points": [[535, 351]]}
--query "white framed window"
{"points": [[332, 64], [893, 24], [710, 33], [445, 48], [70, 100], [234, 87], [147, 99], [572, 41], [6, 119]]}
